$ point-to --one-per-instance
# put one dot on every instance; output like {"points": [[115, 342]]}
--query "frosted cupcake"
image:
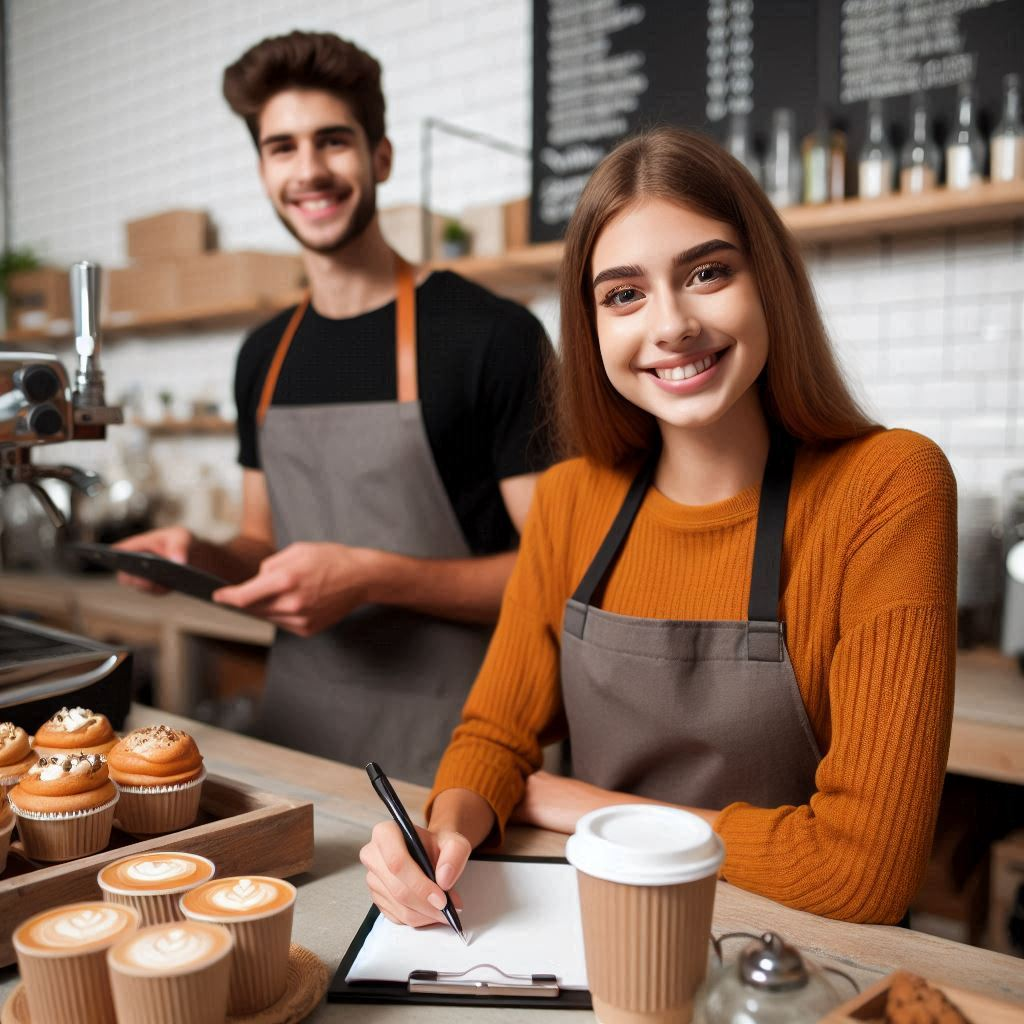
{"points": [[160, 773], [65, 806], [74, 731], [16, 755], [6, 828]]}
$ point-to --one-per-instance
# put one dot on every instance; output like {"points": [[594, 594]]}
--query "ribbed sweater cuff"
{"points": [[501, 788]]}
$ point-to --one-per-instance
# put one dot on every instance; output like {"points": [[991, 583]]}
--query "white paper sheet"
{"points": [[522, 917]]}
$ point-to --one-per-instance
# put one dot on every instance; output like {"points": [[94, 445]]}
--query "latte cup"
{"points": [[258, 912], [153, 883], [171, 973], [647, 878], [62, 959]]}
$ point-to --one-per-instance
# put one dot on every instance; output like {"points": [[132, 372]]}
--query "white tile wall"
{"points": [[116, 113]]}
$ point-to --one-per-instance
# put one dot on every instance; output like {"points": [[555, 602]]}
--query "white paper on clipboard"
{"points": [[523, 917]]}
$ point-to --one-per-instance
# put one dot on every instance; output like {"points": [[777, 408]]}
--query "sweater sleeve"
{"points": [[515, 706], [858, 849]]}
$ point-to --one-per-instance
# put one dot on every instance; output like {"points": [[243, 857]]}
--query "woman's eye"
{"points": [[621, 297], [710, 272]]}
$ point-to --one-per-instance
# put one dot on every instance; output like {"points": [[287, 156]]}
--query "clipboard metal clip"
{"points": [[541, 986]]}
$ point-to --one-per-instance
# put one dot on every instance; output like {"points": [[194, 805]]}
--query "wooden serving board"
{"points": [[241, 829], [869, 1006]]}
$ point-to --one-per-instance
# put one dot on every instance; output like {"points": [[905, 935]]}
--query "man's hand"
{"points": [[174, 543], [306, 587]]}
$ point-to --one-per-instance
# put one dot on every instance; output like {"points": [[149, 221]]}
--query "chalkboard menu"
{"points": [[603, 69]]}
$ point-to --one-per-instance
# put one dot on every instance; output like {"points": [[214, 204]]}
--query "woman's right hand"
{"points": [[399, 888], [174, 543]]}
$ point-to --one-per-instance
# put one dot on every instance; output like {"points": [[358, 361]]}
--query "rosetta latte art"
{"points": [[175, 948], [81, 926], [244, 895], [166, 869]]}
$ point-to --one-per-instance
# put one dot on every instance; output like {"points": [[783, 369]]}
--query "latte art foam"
{"points": [[238, 898], [156, 872], [76, 927], [244, 895], [172, 948]]}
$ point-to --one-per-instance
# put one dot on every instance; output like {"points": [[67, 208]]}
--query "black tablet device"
{"points": [[184, 578]]}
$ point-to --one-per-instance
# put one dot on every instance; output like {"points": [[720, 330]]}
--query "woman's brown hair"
{"points": [[802, 387], [306, 60]]}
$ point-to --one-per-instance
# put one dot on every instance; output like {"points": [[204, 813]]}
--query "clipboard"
{"points": [[186, 579], [427, 986]]}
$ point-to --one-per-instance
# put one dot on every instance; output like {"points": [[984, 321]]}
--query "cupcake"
{"points": [[74, 731], [160, 773], [6, 828], [65, 806], [16, 755]]}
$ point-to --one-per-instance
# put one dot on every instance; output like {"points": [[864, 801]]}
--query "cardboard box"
{"points": [[138, 292], [167, 236], [402, 226], [39, 300], [1006, 896], [214, 280], [517, 223]]}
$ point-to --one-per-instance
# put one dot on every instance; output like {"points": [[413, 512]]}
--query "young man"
{"points": [[389, 433]]}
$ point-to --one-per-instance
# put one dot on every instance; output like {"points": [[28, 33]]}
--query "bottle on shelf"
{"points": [[782, 162], [740, 143], [920, 158], [824, 160], [965, 152], [876, 166], [1007, 147]]}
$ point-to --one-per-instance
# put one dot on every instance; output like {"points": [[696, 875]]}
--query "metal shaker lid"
{"points": [[772, 964]]}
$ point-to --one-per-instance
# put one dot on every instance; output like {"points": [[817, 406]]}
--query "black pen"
{"points": [[412, 840]]}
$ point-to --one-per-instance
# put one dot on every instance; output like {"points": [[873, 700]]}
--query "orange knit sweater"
{"points": [[869, 602]]}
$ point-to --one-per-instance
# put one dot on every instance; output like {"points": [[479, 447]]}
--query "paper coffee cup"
{"points": [[647, 879], [258, 912], [171, 973], [62, 959], [153, 882]]}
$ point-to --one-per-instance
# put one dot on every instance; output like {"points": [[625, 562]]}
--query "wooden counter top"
{"points": [[333, 898]]}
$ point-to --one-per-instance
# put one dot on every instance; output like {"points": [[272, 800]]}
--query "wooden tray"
{"points": [[869, 1006], [241, 829]]}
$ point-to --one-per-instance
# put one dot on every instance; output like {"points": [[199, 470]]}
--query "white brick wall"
{"points": [[116, 113]]}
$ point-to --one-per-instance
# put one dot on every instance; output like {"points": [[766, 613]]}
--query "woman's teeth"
{"points": [[688, 371], [316, 204]]}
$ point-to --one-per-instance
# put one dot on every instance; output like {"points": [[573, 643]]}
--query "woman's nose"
{"points": [[673, 321]]}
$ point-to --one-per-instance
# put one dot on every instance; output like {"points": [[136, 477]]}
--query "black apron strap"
{"points": [[765, 639]]}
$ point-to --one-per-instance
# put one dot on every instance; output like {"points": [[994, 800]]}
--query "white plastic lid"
{"points": [[644, 844]]}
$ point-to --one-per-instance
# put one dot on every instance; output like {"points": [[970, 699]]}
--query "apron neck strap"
{"points": [[771, 525], [405, 341]]}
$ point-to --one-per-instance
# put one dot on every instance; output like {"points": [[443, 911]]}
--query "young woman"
{"points": [[739, 598]]}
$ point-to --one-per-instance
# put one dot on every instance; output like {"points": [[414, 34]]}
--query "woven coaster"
{"points": [[307, 983]]}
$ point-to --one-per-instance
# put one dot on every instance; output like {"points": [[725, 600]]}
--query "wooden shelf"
{"points": [[207, 425]]}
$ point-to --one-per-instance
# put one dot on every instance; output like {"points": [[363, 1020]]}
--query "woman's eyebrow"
{"points": [[695, 253]]}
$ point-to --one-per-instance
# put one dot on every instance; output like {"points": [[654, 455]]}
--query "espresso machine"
{"points": [[42, 668]]}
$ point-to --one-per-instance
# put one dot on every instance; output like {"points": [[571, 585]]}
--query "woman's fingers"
{"points": [[393, 911], [386, 857]]}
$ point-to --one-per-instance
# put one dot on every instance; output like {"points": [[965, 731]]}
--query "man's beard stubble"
{"points": [[362, 215]]}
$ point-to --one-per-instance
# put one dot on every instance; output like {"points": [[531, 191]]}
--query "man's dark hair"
{"points": [[306, 60]]}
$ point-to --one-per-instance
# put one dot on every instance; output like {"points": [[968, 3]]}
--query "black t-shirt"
{"points": [[481, 360]]}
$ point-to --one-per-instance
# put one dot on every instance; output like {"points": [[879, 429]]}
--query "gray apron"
{"points": [[385, 683], [690, 712]]}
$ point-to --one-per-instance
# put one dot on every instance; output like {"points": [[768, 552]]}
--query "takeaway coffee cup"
{"points": [[171, 973], [258, 913], [647, 890], [62, 960], [153, 882]]}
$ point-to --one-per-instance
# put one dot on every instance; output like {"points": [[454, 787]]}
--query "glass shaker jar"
{"points": [[770, 983]]}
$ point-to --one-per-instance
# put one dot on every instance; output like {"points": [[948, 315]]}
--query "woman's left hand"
{"points": [[557, 803]]}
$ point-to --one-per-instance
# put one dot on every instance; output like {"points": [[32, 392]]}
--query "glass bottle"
{"points": [[920, 158], [1007, 150], [824, 160], [740, 143], [782, 162], [965, 153], [877, 162]]}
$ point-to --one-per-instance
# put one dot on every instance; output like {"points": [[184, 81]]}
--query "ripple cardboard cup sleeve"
{"points": [[172, 973], [153, 882], [647, 879], [258, 912], [62, 957]]}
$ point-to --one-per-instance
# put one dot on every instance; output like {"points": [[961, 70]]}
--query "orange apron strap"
{"points": [[270, 384], [405, 332]]}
